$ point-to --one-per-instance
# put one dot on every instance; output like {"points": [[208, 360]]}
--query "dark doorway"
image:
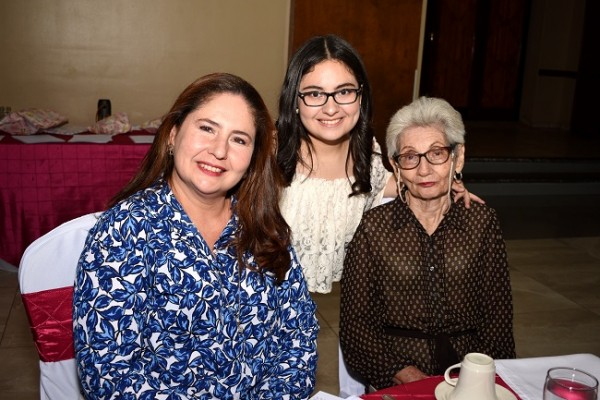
{"points": [[384, 32], [584, 120], [473, 55]]}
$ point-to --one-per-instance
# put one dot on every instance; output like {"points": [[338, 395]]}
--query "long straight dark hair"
{"points": [[291, 132], [264, 232]]}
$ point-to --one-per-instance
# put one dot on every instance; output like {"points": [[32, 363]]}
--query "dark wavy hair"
{"points": [[291, 132], [264, 232]]}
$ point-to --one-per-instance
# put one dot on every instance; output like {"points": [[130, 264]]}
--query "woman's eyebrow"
{"points": [[244, 133], [340, 86], [208, 121]]}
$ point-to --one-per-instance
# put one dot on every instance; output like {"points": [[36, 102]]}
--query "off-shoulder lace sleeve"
{"points": [[379, 177], [323, 219]]}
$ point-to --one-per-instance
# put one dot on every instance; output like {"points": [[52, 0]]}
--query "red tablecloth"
{"points": [[43, 185], [420, 390]]}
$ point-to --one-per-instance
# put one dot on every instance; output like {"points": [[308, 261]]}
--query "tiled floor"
{"points": [[556, 296]]}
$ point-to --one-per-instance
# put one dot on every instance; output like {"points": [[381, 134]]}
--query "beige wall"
{"points": [[66, 54]]}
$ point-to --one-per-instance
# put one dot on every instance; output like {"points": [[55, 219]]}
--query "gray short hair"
{"points": [[426, 111]]}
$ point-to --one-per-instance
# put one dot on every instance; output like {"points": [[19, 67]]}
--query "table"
{"points": [[420, 390], [43, 185], [523, 376], [526, 376]]}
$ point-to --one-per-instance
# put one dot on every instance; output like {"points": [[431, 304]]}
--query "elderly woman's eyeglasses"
{"points": [[315, 98], [411, 160]]}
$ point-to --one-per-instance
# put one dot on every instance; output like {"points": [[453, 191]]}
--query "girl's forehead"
{"points": [[329, 71]]}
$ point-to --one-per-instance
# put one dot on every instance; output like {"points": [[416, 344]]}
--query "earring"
{"points": [[401, 190], [403, 195], [170, 150], [458, 176], [297, 111]]}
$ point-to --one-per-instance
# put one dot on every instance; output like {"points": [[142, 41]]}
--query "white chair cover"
{"points": [[348, 385], [50, 263]]}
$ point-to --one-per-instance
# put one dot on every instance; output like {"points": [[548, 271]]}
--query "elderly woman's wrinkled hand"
{"points": [[409, 374]]}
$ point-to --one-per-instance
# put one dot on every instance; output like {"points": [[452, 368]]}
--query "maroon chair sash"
{"points": [[50, 314]]}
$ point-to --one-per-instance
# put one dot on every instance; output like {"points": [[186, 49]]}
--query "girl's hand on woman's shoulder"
{"points": [[461, 192]]}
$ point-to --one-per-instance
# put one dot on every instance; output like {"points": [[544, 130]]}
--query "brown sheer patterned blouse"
{"points": [[413, 299]]}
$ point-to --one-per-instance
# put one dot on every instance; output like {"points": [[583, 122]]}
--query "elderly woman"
{"points": [[425, 279]]}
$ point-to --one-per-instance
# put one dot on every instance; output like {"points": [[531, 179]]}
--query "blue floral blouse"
{"points": [[157, 315]]}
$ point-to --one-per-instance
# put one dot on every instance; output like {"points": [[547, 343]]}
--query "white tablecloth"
{"points": [[526, 376]]}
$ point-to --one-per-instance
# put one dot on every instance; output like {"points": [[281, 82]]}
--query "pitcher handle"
{"points": [[451, 381]]}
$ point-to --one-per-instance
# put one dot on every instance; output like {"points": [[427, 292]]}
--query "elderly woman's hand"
{"points": [[409, 374], [460, 191]]}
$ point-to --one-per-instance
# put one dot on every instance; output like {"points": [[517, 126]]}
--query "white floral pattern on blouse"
{"points": [[157, 315], [323, 220]]}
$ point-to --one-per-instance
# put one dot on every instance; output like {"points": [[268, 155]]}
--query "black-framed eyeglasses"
{"points": [[315, 98], [411, 160]]}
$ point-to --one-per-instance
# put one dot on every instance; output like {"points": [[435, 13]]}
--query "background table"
{"points": [[43, 185]]}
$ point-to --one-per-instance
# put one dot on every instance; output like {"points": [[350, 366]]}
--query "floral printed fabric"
{"points": [[31, 121], [156, 313]]}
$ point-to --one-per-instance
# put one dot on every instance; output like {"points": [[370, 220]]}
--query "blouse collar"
{"points": [[167, 196], [402, 216]]}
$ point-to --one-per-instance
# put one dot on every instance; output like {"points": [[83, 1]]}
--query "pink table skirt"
{"points": [[43, 185]]}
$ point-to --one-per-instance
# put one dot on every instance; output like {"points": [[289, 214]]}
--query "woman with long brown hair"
{"points": [[188, 285]]}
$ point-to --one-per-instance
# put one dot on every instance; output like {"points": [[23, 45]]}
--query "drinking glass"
{"points": [[570, 384]]}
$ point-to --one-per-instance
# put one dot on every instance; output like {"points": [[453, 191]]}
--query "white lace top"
{"points": [[323, 220]]}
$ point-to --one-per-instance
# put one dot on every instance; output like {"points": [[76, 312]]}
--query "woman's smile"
{"points": [[330, 122], [211, 169]]}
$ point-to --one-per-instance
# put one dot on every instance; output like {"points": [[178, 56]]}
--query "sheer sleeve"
{"points": [[496, 333], [364, 345]]}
